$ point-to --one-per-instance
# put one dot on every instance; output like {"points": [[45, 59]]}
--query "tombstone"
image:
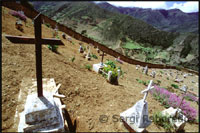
{"points": [[146, 70], [153, 74], [137, 117], [177, 119], [63, 36], [184, 88], [137, 67], [185, 75], [98, 51], [42, 113], [119, 73], [19, 25], [88, 56], [81, 49], [109, 75], [55, 33], [97, 67]]}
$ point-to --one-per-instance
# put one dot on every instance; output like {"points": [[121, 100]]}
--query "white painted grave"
{"points": [[88, 56], [146, 70], [137, 67], [81, 49], [137, 116], [40, 114], [97, 67], [153, 74], [184, 88], [179, 121]]}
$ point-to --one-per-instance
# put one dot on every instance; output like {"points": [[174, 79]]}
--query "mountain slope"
{"points": [[173, 20], [128, 35]]}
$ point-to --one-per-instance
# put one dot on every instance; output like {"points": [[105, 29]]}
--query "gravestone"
{"points": [[146, 70], [97, 67], [98, 51], [153, 74], [88, 56], [137, 117], [63, 35], [185, 75], [178, 120], [81, 48], [137, 67], [184, 88], [19, 25], [41, 112]]}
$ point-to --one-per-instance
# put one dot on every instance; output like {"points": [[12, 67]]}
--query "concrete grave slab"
{"points": [[46, 116], [97, 67]]}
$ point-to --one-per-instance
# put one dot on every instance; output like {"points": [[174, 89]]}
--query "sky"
{"points": [[185, 6]]}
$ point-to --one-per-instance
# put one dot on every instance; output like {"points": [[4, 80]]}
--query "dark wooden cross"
{"points": [[102, 57], [38, 41]]}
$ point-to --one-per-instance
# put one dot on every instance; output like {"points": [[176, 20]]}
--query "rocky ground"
{"points": [[88, 94]]}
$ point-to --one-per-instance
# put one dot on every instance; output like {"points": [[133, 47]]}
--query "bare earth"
{"points": [[88, 94]]}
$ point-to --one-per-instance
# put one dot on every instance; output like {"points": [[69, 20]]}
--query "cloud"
{"points": [[143, 4], [184, 6], [187, 6]]}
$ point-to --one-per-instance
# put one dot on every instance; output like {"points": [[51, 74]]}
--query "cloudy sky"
{"points": [[185, 6]]}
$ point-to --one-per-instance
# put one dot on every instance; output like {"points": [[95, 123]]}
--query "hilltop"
{"points": [[88, 95]]}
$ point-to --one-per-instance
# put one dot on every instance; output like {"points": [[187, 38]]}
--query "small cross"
{"points": [[102, 57], [38, 41], [147, 90]]}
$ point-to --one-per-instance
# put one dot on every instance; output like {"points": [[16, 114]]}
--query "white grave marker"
{"points": [[137, 116], [146, 70]]}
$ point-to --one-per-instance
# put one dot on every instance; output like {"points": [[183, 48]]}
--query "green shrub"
{"points": [[88, 66], [94, 56], [162, 121], [73, 59], [175, 86], [53, 48]]}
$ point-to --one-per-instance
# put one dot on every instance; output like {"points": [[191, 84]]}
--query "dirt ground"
{"points": [[88, 94]]}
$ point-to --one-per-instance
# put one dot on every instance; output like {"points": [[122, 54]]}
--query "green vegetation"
{"points": [[73, 59], [94, 56], [88, 66], [143, 82], [53, 48], [163, 121], [175, 86]]}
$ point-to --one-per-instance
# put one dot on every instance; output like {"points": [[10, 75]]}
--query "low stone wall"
{"points": [[33, 13]]}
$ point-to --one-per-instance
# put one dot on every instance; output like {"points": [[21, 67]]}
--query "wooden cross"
{"points": [[102, 57], [38, 41]]}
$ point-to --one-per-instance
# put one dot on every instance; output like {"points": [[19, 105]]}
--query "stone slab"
{"points": [[38, 109], [96, 67], [136, 117], [28, 87], [178, 124]]}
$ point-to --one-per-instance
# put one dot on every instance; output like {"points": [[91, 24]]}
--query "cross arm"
{"points": [[31, 40], [20, 39]]}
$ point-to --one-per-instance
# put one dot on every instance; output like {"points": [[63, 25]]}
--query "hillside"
{"points": [[173, 20], [118, 31], [88, 95]]}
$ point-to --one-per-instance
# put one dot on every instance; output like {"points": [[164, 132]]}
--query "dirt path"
{"points": [[88, 95]]}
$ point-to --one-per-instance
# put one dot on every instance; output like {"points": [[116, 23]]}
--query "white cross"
{"points": [[147, 90]]}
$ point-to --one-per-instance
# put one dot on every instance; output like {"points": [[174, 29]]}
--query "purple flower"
{"points": [[174, 101], [18, 14]]}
